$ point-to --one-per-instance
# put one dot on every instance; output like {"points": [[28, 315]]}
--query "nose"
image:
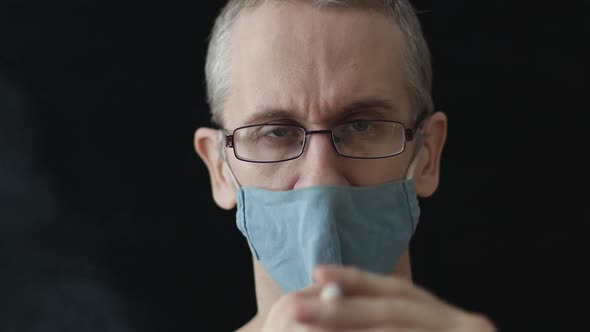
{"points": [[320, 164]]}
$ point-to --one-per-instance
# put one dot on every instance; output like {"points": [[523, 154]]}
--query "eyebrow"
{"points": [[270, 114], [369, 103]]}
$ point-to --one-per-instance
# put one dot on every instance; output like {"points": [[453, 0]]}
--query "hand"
{"points": [[383, 303], [286, 314], [370, 303]]}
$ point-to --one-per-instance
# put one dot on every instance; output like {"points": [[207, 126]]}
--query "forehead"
{"points": [[314, 62]]}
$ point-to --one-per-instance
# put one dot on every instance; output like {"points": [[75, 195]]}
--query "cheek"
{"points": [[373, 172], [283, 176], [273, 176]]}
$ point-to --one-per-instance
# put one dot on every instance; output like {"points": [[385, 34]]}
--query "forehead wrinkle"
{"points": [[313, 81], [285, 79], [270, 114]]}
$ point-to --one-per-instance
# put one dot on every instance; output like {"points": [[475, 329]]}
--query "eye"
{"points": [[359, 126], [273, 132], [360, 129], [280, 132]]}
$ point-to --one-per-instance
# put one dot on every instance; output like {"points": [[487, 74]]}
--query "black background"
{"points": [[106, 218]]}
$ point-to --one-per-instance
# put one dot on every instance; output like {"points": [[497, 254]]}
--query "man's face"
{"points": [[296, 64]]}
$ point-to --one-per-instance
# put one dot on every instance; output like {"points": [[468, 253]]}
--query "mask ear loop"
{"points": [[412, 167], [225, 163]]}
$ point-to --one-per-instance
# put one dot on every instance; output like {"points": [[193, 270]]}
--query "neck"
{"points": [[268, 291]]}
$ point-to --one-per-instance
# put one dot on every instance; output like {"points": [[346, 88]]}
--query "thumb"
{"points": [[309, 292]]}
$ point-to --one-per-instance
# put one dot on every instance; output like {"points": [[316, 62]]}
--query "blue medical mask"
{"points": [[291, 232]]}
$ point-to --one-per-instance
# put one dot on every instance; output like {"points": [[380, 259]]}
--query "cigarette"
{"points": [[331, 292]]}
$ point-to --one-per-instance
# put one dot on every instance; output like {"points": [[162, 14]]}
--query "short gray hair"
{"points": [[417, 54]]}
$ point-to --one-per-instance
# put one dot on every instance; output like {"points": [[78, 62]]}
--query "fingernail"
{"points": [[331, 292]]}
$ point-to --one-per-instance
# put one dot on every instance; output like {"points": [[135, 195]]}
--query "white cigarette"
{"points": [[330, 292]]}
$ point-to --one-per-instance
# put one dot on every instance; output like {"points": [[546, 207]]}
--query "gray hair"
{"points": [[417, 54]]}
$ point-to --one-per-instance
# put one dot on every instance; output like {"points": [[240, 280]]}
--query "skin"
{"points": [[319, 67]]}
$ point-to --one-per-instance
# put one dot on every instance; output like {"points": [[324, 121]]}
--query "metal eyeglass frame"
{"points": [[409, 135]]}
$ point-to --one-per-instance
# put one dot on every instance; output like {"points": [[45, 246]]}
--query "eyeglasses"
{"points": [[363, 139]]}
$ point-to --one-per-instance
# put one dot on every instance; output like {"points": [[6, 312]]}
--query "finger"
{"points": [[355, 282], [311, 291], [351, 313]]}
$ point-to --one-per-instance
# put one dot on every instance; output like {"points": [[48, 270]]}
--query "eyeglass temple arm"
{"points": [[411, 132], [229, 141]]}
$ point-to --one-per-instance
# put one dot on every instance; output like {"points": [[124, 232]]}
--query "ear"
{"points": [[427, 170], [207, 146]]}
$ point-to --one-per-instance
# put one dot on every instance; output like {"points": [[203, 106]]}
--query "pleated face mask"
{"points": [[291, 232]]}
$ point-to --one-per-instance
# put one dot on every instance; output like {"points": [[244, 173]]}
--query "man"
{"points": [[328, 136]]}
